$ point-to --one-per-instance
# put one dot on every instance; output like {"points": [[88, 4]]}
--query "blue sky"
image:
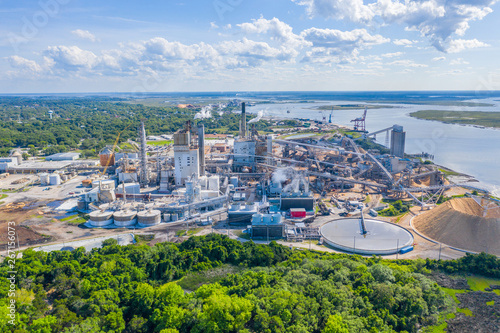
{"points": [[242, 45]]}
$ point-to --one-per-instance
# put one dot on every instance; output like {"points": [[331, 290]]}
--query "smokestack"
{"points": [[243, 133], [201, 147], [144, 156]]}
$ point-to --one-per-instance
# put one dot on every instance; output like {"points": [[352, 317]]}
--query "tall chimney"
{"points": [[144, 155], [201, 147], [243, 133]]}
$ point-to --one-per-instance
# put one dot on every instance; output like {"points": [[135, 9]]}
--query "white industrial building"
{"points": [[7, 162], [63, 157], [244, 154], [186, 159]]}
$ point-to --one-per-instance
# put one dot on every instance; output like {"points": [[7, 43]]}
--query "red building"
{"points": [[297, 213]]}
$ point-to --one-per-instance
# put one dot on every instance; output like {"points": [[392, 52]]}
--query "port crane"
{"points": [[359, 123]]}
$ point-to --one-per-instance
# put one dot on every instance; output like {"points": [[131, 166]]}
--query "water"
{"points": [[466, 149]]}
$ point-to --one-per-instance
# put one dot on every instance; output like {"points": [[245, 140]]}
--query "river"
{"points": [[466, 149]]}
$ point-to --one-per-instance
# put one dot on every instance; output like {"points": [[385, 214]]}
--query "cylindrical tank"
{"points": [[44, 179], [213, 183], [64, 178], [100, 219], [125, 218], [234, 181], [249, 206], [147, 218], [257, 219], [96, 183], [276, 218], [54, 179], [174, 217], [235, 207], [203, 182], [167, 217], [107, 157], [18, 156], [267, 219]]}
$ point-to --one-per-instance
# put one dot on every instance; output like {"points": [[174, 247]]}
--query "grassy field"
{"points": [[160, 143], [477, 118], [189, 232]]}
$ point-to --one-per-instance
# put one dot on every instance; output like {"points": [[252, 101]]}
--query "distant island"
{"points": [[475, 118]]}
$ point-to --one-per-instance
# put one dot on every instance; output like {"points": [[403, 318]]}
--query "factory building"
{"points": [[267, 226], [185, 158], [303, 201], [398, 137], [7, 162], [241, 214], [63, 157], [244, 155]]}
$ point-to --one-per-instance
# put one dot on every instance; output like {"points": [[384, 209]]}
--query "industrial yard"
{"points": [[327, 187]]}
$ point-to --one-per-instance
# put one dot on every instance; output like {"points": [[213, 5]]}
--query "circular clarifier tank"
{"points": [[380, 238]]}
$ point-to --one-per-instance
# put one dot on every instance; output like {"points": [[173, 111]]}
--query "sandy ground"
{"points": [[460, 223]]}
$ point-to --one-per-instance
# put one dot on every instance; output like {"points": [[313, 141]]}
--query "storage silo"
{"points": [[54, 179], [125, 218], [101, 218], [107, 157], [276, 218], [148, 218], [44, 179], [17, 154], [213, 183]]}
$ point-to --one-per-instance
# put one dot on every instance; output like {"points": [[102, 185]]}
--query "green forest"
{"points": [[270, 288], [88, 124], [477, 118]]}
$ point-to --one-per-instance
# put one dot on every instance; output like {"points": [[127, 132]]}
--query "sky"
{"points": [[70, 46]]}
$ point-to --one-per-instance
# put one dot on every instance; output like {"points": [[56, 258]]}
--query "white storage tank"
{"points": [[257, 219], [167, 217], [125, 218], [147, 218], [235, 207], [104, 182], [44, 179], [174, 217], [213, 183], [54, 179], [267, 219], [130, 188], [101, 218], [276, 218]]}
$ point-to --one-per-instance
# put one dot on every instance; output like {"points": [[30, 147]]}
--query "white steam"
{"points": [[205, 113], [260, 114], [297, 184]]}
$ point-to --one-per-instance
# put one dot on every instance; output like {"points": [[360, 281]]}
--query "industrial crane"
{"points": [[359, 123], [114, 147]]}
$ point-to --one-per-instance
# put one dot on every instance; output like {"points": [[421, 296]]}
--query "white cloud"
{"points": [[279, 31], [213, 25], [438, 58], [458, 61], [353, 10], [404, 42], [437, 20], [24, 65], [392, 55], [335, 46], [407, 63], [84, 34], [71, 57], [459, 45]]}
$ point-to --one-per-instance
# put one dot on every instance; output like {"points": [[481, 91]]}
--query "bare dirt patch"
{"points": [[485, 318]]}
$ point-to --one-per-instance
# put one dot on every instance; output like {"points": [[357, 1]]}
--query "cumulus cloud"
{"points": [[407, 63], [438, 58], [437, 20], [84, 34], [404, 42], [24, 65], [459, 45], [458, 61], [71, 57], [392, 55]]}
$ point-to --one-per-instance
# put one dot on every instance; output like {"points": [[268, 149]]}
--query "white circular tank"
{"points": [[249, 207], [125, 218], [257, 219], [267, 219], [100, 219], [44, 179], [276, 218], [147, 218], [167, 217], [174, 217], [54, 179]]}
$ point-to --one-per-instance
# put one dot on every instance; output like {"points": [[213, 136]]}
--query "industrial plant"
{"points": [[326, 185]]}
